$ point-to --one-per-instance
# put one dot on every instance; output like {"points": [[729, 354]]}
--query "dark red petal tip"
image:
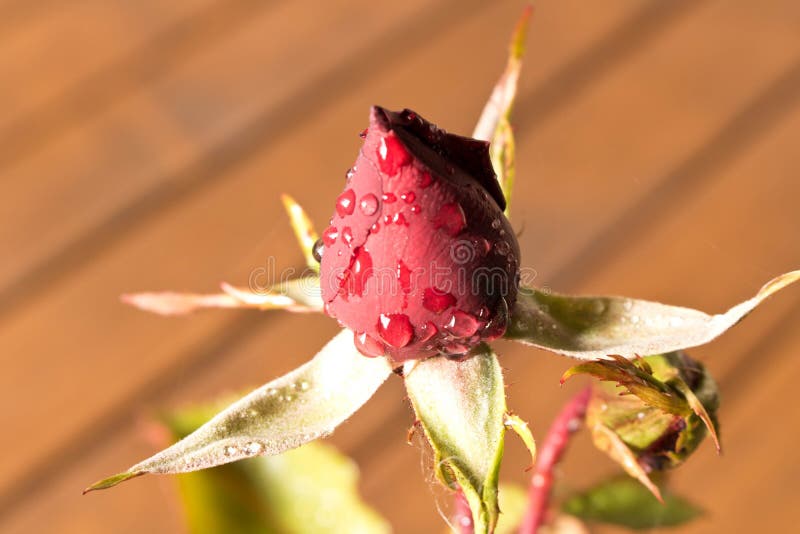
{"points": [[443, 149]]}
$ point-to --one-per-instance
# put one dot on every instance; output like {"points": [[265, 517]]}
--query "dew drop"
{"points": [[496, 224], [303, 385], [329, 235], [451, 219], [424, 179], [404, 276], [502, 248], [368, 204], [437, 301], [392, 155], [363, 133], [428, 331], [389, 198], [375, 227], [408, 197], [253, 447], [387, 219], [358, 273], [395, 329], [349, 174], [462, 324], [415, 208], [347, 235], [318, 249], [346, 203], [230, 450], [367, 345], [455, 351], [400, 219]]}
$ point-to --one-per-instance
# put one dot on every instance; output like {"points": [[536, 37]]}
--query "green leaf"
{"points": [[595, 327], [304, 405], [494, 124], [621, 501], [461, 407], [637, 377], [309, 489]]}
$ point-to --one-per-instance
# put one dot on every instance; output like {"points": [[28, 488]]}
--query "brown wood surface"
{"points": [[143, 145]]}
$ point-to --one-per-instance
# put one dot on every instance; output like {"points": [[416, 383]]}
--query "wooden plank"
{"points": [[63, 60], [230, 214], [400, 83], [251, 88], [403, 482], [732, 231], [751, 487], [133, 139]]}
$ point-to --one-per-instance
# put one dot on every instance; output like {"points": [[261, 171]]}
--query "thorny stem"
{"points": [[462, 515], [566, 423]]}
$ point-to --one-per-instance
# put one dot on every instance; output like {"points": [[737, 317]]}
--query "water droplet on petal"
{"points": [[496, 224], [346, 203], [462, 324], [451, 219], [369, 204], [395, 329], [230, 450], [502, 248], [408, 197], [399, 218], [303, 385], [375, 228], [347, 235], [424, 179], [363, 133], [389, 197], [455, 351], [329, 235], [392, 155], [428, 331], [415, 208], [404, 276], [358, 273], [349, 174], [437, 301], [367, 345]]}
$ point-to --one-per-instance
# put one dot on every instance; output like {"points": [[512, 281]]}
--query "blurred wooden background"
{"points": [[143, 145]]}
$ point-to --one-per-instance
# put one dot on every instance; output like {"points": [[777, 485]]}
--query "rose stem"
{"points": [[565, 423]]}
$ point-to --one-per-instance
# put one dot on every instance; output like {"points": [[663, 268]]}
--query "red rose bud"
{"points": [[419, 258]]}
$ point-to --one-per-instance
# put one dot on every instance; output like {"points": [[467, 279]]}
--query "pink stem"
{"points": [[566, 423], [462, 515]]}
